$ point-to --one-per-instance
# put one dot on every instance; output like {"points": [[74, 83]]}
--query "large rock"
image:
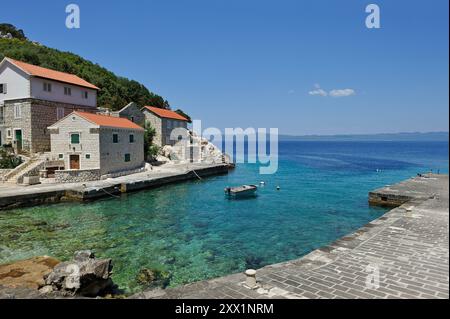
{"points": [[27, 273], [85, 275]]}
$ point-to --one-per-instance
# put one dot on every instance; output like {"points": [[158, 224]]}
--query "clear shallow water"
{"points": [[194, 233]]}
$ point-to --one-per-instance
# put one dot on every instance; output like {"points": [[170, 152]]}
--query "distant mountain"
{"points": [[115, 91], [416, 136]]}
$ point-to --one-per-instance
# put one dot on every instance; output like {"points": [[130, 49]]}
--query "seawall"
{"points": [[19, 196]]}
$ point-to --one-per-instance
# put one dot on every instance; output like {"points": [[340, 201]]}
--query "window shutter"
{"points": [[5, 86]]}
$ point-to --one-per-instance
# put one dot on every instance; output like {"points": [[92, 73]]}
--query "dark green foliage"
{"points": [[184, 114], [8, 160], [150, 150], [115, 92], [6, 28]]}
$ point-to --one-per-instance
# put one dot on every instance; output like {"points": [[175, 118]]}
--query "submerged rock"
{"points": [[153, 278], [85, 275]]}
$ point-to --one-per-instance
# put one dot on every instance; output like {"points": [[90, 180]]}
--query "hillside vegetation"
{"points": [[116, 91]]}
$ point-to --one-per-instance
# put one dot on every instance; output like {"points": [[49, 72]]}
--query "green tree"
{"points": [[9, 28], [150, 149]]}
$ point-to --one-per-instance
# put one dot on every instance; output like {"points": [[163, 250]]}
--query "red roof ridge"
{"points": [[108, 121], [39, 71], [166, 113]]}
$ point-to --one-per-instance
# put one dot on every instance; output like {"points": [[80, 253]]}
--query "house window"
{"points": [[2, 114], [127, 157], [3, 88], [61, 156], [59, 113], [67, 91], [17, 111], [131, 138], [47, 87], [9, 133], [115, 138], [84, 94], [75, 138], [88, 156]]}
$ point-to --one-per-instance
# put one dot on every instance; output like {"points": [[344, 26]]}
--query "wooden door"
{"points": [[74, 161]]}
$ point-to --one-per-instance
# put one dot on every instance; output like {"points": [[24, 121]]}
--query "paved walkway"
{"points": [[167, 170], [403, 254], [12, 195]]}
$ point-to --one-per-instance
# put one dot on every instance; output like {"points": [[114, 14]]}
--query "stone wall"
{"points": [[76, 176], [88, 149], [11, 123], [124, 173], [37, 115], [133, 113], [156, 123], [168, 125], [44, 114], [112, 155]]}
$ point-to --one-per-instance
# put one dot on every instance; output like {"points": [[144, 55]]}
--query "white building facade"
{"points": [[93, 146], [33, 98]]}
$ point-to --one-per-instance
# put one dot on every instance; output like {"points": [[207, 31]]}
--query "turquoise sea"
{"points": [[192, 232]]}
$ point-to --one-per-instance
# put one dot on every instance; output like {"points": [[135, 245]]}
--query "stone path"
{"points": [[403, 254], [12, 195]]}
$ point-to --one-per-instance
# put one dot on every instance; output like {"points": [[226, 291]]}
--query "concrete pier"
{"points": [[13, 196], [403, 254]]}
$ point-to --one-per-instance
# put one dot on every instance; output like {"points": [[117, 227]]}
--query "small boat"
{"points": [[241, 191]]}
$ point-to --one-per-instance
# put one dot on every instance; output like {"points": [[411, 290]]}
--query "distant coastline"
{"points": [[414, 136]]}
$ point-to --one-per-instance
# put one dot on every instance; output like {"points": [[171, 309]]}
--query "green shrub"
{"points": [[8, 160]]}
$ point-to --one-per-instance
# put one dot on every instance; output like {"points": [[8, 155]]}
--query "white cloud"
{"points": [[317, 91], [342, 92], [333, 93]]}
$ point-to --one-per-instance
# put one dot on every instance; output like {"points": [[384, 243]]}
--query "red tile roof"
{"points": [[109, 121], [41, 72], [166, 113]]}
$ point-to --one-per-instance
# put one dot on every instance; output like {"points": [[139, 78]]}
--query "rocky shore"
{"points": [[46, 277]]}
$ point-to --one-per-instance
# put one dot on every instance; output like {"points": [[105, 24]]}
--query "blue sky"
{"points": [[255, 63]]}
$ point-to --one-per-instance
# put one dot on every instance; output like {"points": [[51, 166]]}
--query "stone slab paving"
{"points": [[403, 254]]}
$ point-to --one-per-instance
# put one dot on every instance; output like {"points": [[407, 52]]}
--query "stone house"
{"points": [[132, 112], [95, 146], [164, 122], [33, 98]]}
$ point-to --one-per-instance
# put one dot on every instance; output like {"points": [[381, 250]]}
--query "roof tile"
{"points": [[109, 121], [166, 113], [38, 71]]}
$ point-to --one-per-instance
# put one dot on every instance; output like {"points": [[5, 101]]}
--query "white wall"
{"points": [[17, 82], [57, 93], [112, 155], [19, 86]]}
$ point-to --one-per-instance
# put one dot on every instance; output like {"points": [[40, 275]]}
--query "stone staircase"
{"points": [[30, 167]]}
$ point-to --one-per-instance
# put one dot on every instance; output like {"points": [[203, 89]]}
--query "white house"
{"points": [[94, 145], [33, 98]]}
